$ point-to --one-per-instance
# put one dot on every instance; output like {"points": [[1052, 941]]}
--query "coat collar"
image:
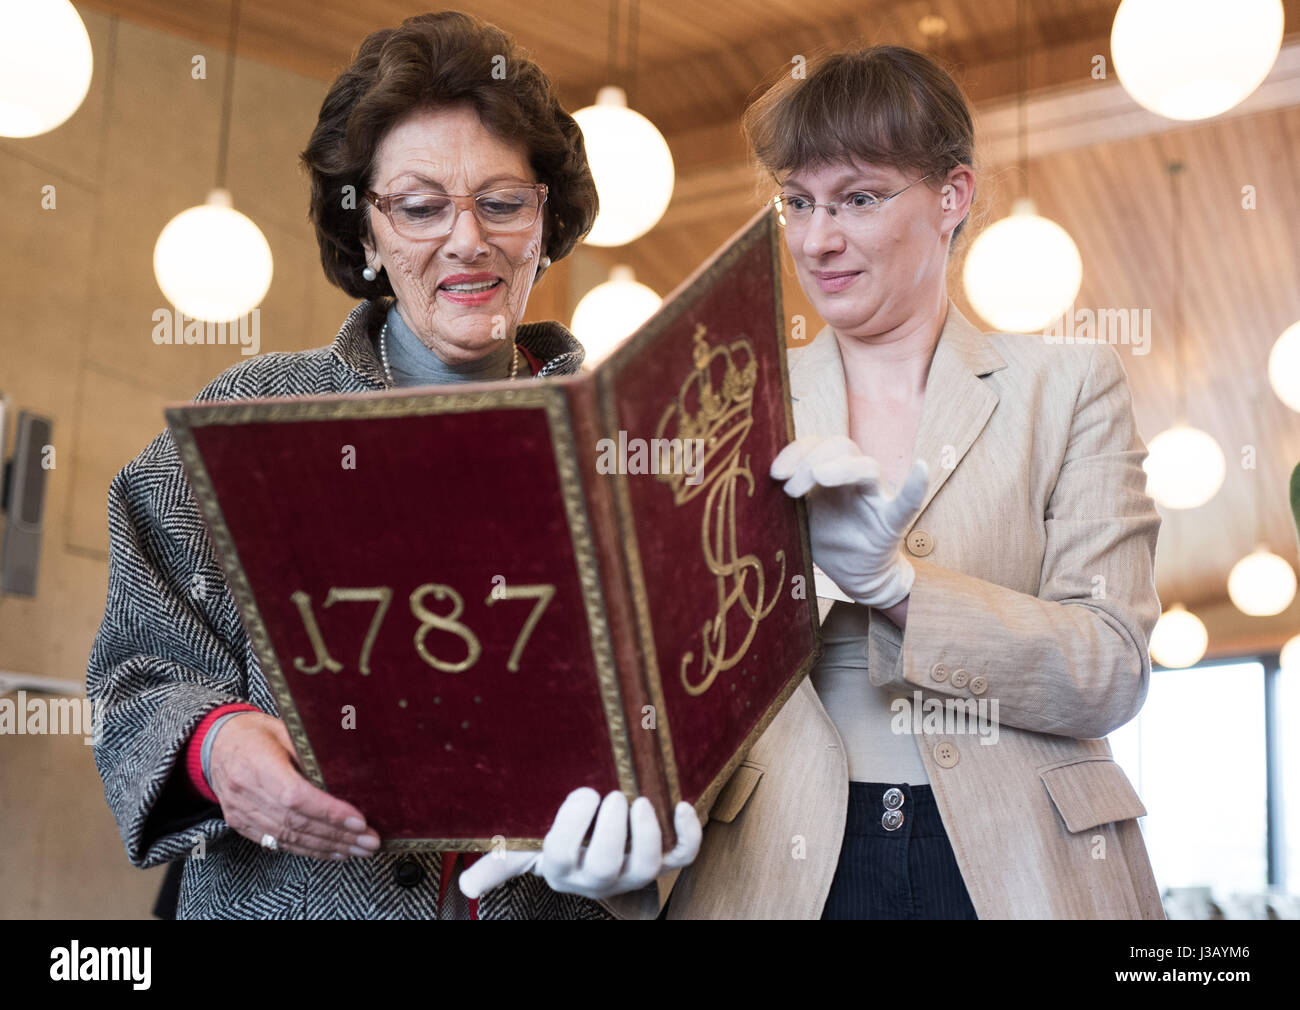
{"points": [[957, 402], [559, 350]]}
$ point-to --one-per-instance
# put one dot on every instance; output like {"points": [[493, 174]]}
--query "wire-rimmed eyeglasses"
{"points": [[797, 211], [420, 216]]}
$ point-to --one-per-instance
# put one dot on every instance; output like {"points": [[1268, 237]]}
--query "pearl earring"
{"points": [[544, 262], [369, 273]]}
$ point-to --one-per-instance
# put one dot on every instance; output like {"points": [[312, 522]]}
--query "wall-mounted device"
{"points": [[23, 499]]}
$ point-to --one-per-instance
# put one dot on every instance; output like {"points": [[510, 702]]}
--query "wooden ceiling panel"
{"points": [[719, 50], [1241, 291]]}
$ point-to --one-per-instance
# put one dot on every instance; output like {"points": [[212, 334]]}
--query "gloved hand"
{"points": [[856, 530], [601, 869]]}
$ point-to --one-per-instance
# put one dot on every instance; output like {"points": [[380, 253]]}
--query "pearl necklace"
{"points": [[388, 372]]}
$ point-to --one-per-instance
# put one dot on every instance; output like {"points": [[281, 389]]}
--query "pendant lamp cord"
{"points": [[224, 142], [627, 77], [612, 59], [633, 24], [1180, 364], [1022, 88]]}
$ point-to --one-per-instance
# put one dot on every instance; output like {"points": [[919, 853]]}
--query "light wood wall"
{"points": [[77, 287]]}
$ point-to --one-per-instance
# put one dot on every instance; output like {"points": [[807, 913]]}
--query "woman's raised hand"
{"points": [[255, 775], [855, 528]]}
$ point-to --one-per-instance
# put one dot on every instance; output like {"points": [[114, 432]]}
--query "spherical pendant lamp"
{"points": [[45, 65], [1191, 59], [1284, 366], [1262, 583], [1184, 466], [611, 311], [1179, 639], [1023, 271], [1290, 658], [212, 262], [631, 165]]}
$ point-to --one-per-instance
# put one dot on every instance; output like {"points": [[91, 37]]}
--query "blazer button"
{"points": [[408, 873], [960, 678], [920, 543], [939, 672], [945, 754], [979, 684], [892, 821]]}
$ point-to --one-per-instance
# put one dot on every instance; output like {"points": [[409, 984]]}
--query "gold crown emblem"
{"points": [[712, 415], [713, 407]]}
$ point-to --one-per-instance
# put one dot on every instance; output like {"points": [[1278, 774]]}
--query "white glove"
{"points": [[856, 530], [601, 869]]}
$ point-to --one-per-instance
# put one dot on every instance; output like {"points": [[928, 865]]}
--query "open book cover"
{"points": [[471, 600]]}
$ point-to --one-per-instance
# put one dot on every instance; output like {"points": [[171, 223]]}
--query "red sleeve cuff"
{"points": [[194, 749], [534, 362]]}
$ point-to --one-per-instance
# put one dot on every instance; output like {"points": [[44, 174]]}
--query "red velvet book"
{"points": [[472, 600]]}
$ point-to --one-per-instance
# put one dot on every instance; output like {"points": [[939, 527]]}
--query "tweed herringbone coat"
{"points": [[171, 648]]}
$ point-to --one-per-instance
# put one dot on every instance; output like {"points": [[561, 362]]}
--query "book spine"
{"points": [[615, 584]]}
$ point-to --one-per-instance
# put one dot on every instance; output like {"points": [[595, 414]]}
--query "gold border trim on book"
{"points": [[705, 802], [388, 403], [761, 228], [201, 485], [800, 504], [565, 451], [459, 844]]}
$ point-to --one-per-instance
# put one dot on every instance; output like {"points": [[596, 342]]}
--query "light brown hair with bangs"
{"points": [[885, 105]]}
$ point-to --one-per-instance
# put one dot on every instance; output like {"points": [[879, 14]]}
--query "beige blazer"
{"points": [[1034, 553]]}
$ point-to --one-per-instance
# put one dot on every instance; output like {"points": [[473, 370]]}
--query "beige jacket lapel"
{"points": [[957, 404]]}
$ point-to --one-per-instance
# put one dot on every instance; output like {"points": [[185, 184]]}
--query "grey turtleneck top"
{"points": [[414, 364]]}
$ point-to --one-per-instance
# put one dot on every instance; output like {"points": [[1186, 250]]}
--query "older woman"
{"points": [[978, 504], [445, 178]]}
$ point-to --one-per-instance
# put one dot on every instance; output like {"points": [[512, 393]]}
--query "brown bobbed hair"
{"points": [[887, 105], [428, 62]]}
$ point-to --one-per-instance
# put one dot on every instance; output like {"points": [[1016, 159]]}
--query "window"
{"points": [[1196, 754], [1287, 717]]}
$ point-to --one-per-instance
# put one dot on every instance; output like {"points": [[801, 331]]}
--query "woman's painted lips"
{"points": [[837, 280], [470, 289]]}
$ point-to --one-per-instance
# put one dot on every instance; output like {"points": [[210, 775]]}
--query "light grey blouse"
{"points": [[860, 710]]}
